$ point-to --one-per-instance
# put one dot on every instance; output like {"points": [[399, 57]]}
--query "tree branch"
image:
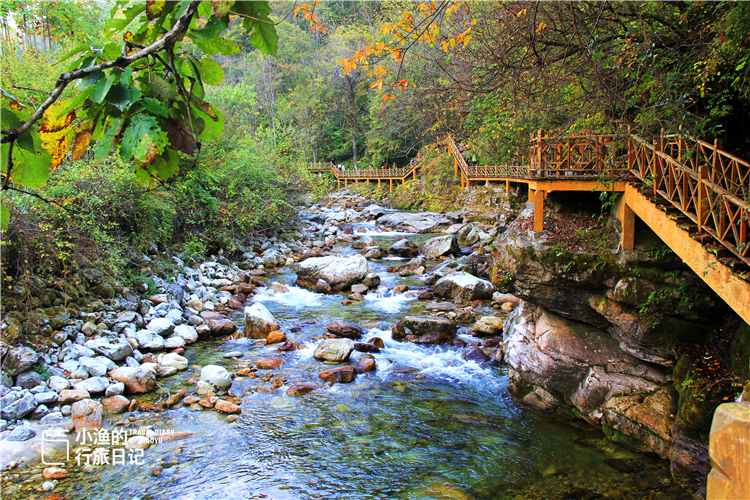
{"points": [[168, 40]]}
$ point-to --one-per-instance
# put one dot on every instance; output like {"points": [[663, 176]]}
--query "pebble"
{"points": [[234, 354]]}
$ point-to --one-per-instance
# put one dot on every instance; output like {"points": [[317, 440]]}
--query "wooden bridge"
{"points": [[390, 175], [688, 191]]}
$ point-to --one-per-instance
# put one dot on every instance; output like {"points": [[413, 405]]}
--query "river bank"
{"points": [[431, 338]]}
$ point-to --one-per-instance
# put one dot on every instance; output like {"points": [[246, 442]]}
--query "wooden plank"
{"points": [[580, 185], [733, 290]]}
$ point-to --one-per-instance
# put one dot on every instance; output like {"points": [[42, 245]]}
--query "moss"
{"points": [[741, 352], [624, 440], [572, 413]]}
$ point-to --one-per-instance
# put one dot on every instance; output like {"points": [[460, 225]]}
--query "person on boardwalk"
{"points": [[474, 159]]}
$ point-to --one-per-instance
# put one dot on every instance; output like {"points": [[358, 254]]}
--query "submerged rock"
{"points": [[342, 374], [341, 329]]}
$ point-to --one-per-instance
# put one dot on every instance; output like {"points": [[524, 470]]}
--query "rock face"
{"points": [[439, 246], [424, 222], [464, 286], [336, 350], [259, 322], [340, 273], [555, 362]]}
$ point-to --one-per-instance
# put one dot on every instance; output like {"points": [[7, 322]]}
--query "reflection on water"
{"points": [[426, 425]]}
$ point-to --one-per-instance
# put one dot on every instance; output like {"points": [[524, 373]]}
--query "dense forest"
{"points": [[208, 140]]}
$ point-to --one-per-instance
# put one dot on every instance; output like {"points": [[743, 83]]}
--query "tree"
{"points": [[139, 93]]}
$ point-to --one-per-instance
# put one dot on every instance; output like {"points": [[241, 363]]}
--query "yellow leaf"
{"points": [[81, 142]]}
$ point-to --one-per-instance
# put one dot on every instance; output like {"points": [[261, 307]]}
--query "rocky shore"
{"points": [[590, 335]]}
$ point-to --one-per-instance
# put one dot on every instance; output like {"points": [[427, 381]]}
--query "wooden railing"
{"points": [[367, 173], [579, 156], [707, 185]]}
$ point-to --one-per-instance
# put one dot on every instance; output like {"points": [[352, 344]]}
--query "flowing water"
{"points": [[426, 425]]}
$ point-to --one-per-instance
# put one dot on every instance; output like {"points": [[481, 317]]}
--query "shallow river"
{"points": [[427, 424]]}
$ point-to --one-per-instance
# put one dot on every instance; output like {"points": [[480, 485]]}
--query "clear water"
{"points": [[426, 425]]}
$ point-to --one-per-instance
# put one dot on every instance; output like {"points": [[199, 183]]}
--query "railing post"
{"points": [[657, 170], [539, 151], [631, 150]]}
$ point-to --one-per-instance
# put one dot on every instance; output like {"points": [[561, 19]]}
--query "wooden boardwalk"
{"points": [[707, 190], [389, 175]]}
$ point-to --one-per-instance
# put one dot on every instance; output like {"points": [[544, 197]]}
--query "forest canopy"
{"points": [[216, 107]]}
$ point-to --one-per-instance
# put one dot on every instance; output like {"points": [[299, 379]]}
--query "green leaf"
{"points": [[166, 90], [76, 51], [740, 66], [111, 51], [100, 89], [143, 138], [4, 217], [211, 30], [121, 96], [76, 101], [128, 16], [253, 9], [219, 44], [212, 123], [31, 168], [105, 144], [154, 106], [211, 72], [264, 35], [9, 119]]}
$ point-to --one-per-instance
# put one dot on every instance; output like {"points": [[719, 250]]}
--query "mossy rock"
{"points": [[624, 440], [697, 401]]}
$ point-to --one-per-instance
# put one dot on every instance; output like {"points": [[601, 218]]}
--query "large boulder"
{"points": [[423, 222], [19, 359], [161, 326], [341, 329], [217, 376], [439, 246], [556, 362], [336, 350], [427, 329], [404, 248], [115, 349], [464, 286], [259, 321], [137, 380], [150, 340], [339, 272]]}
